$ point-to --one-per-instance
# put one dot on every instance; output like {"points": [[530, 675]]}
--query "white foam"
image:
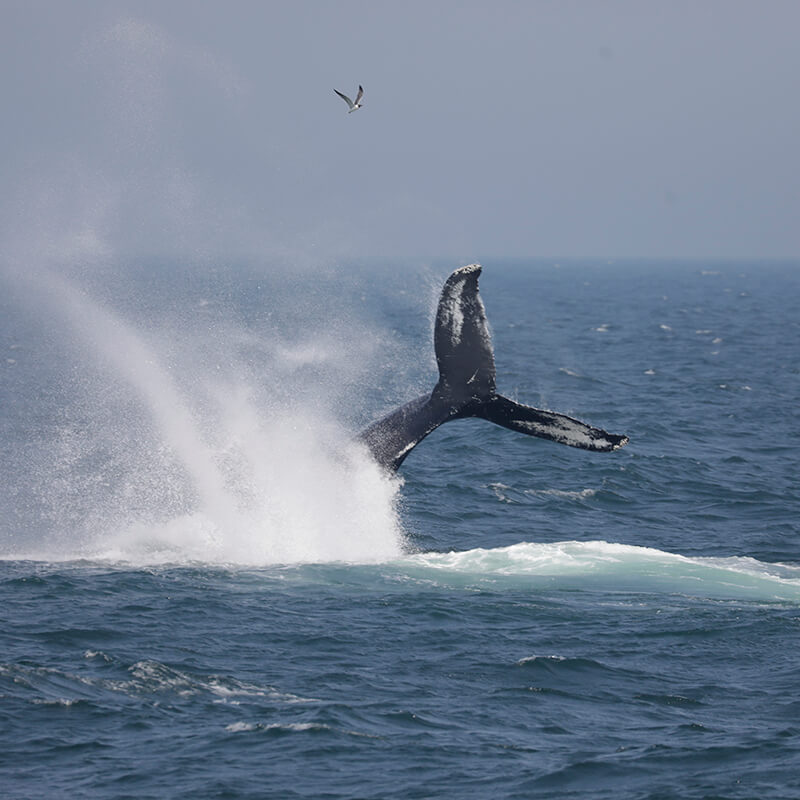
{"points": [[284, 727], [238, 727], [58, 701], [92, 654], [291, 727], [575, 494], [609, 566]]}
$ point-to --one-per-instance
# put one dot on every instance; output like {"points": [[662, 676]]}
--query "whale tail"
{"points": [[466, 387]]}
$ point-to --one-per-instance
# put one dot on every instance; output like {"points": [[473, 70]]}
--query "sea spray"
{"points": [[178, 463]]}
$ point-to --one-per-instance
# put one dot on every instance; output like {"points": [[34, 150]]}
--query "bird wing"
{"points": [[345, 98], [359, 95]]}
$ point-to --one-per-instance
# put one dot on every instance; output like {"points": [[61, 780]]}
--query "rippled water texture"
{"points": [[208, 591]]}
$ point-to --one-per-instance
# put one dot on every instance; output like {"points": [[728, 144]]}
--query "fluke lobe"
{"points": [[466, 387]]}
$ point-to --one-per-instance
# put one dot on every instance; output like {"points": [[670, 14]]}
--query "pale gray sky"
{"points": [[614, 128]]}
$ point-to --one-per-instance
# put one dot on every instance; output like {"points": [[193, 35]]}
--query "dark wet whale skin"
{"points": [[466, 387]]}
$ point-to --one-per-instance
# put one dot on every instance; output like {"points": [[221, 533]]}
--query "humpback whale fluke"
{"points": [[466, 387]]}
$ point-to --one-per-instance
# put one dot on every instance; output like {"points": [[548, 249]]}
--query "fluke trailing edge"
{"points": [[466, 387]]}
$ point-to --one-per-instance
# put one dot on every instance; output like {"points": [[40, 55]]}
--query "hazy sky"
{"points": [[614, 128]]}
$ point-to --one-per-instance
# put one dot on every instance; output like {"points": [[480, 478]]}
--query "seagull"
{"points": [[353, 106]]}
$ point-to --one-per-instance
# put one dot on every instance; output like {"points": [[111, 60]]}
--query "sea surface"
{"points": [[207, 590]]}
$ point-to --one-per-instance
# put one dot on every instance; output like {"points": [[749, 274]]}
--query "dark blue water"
{"points": [[207, 591]]}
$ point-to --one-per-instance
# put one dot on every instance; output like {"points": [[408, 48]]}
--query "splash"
{"points": [[170, 464]]}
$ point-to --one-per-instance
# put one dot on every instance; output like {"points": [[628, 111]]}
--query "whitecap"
{"points": [[577, 494], [610, 567]]}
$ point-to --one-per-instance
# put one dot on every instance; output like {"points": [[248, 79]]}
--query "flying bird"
{"points": [[352, 106]]}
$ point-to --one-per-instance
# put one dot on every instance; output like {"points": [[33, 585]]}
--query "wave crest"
{"points": [[608, 566]]}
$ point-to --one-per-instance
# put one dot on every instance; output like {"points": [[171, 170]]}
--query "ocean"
{"points": [[208, 590]]}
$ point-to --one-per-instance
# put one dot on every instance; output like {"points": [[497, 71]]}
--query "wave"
{"points": [[143, 679], [607, 567], [596, 566]]}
